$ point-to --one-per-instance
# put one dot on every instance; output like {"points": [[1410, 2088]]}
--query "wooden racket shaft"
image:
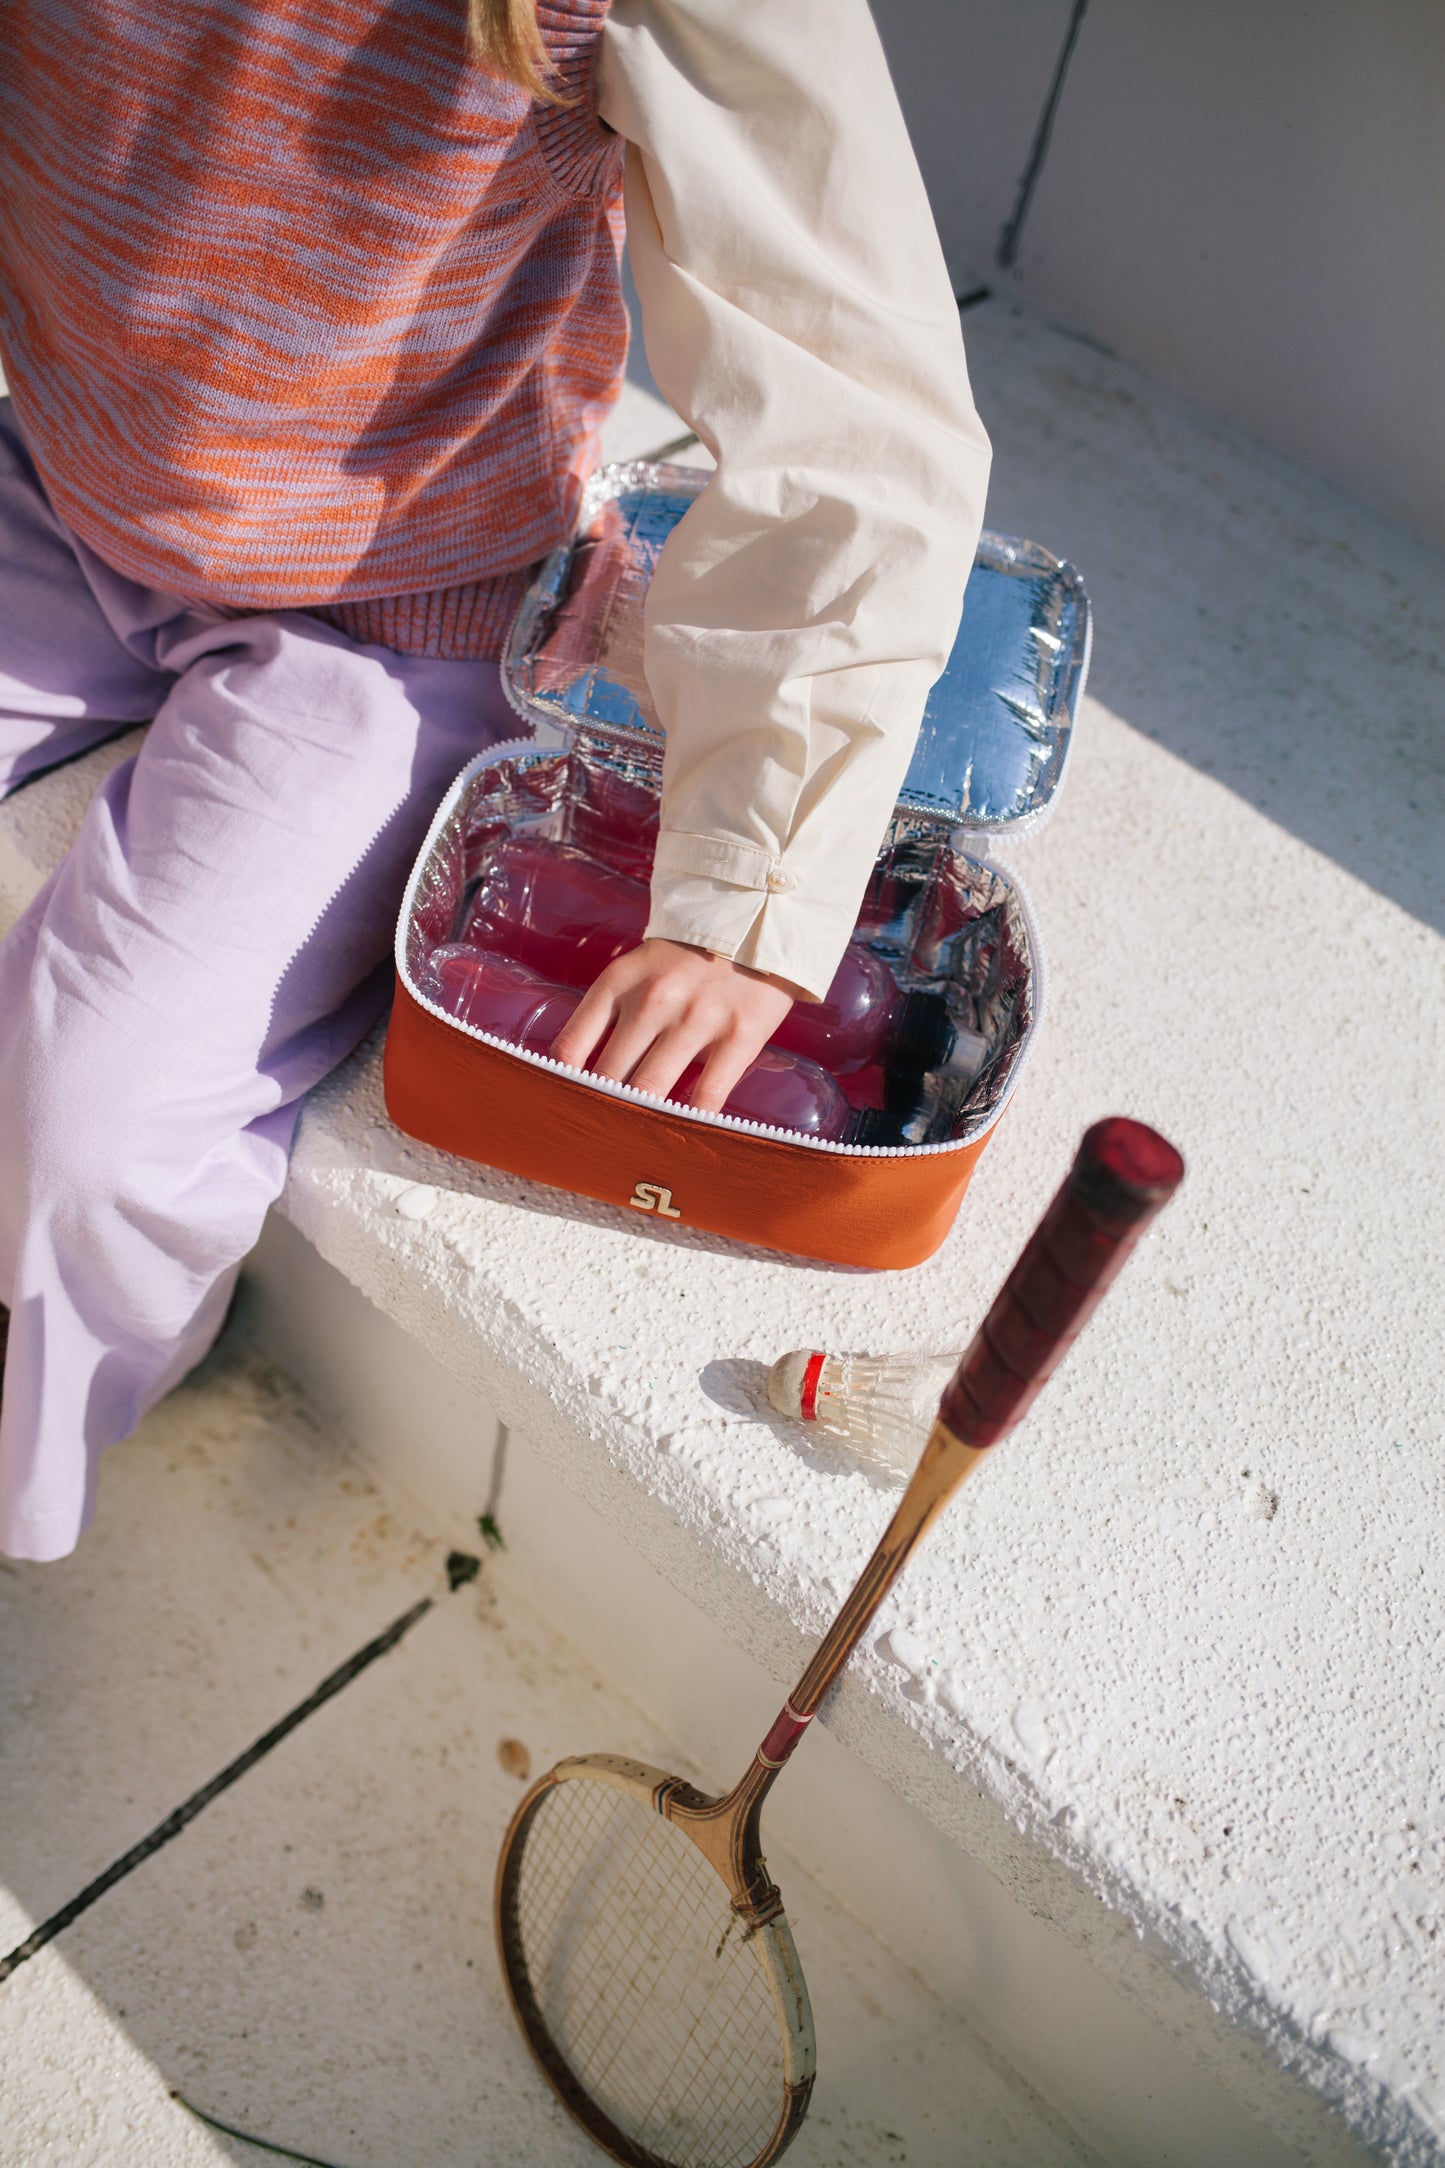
{"points": [[645, 1946]]}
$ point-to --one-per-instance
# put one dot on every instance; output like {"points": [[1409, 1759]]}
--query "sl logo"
{"points": [[652, 1197]]}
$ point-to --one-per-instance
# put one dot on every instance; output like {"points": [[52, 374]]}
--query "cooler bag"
{"points": [[952, 924]]}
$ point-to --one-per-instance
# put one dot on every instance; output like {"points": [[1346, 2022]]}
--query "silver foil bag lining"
{"points": [[946, 924], [996, 730]]}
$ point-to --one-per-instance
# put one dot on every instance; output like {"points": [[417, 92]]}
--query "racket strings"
{"points": [[658, 2002], [626, 2008]]}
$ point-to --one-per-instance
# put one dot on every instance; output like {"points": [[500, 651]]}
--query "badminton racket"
{"points": [[645, 1946]]}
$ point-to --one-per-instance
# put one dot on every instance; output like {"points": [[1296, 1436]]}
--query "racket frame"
{"points": [[725, 1832]]}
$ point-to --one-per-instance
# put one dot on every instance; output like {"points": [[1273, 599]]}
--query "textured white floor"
{"points": [[312, 1959]]}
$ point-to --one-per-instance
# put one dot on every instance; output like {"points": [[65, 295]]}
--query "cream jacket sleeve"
{"points": [[797, 313]]}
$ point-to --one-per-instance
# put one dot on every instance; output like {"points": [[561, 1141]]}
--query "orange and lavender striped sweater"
{"points": [[302, 309]]}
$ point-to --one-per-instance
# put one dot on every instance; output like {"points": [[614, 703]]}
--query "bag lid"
{"points": [[996, 730]]}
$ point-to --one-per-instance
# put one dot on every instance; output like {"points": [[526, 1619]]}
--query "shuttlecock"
{"points": [[883, 1405]]}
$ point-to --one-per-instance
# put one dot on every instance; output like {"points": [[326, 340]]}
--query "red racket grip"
{"points": [[1123, 1174]]}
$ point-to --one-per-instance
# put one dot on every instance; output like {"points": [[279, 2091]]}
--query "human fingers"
{"points": [[728, 1059], [728, 1020], [649, 1010], [655, 1011], [588, 1025], [673, 1052]]}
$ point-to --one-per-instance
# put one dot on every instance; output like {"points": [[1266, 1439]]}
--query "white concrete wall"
{"points": [[1245, 199]]}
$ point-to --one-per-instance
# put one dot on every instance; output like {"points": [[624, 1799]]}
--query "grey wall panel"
{"points": [[1247, 198]]}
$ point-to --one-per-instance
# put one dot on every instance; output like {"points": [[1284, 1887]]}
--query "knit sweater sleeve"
{"points": [[797, 313]]}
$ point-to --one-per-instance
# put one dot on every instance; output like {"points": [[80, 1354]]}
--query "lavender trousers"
{"points": [[216, 941]]}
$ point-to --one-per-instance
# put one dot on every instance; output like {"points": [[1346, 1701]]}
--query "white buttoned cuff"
{"points": [[744, 865], [739, 900]]}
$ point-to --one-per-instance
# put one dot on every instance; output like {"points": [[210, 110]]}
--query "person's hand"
{"points": [[662, 1007]]}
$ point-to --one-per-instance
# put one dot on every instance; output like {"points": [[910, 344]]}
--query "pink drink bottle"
{"points": [[847, 1029], [564, 914], [555, 909], [789, 1092], [867, 1023], [493, 994], [785, 1091]]}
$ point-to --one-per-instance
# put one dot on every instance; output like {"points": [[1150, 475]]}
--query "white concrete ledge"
{"points": [[1179, 1647]]}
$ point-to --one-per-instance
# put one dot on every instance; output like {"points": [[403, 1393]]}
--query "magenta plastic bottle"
{"points": [[566, 915], [789, 1092], [505, 999], [785, 1091], [852, 1024], [555, 909], [493, 994]]}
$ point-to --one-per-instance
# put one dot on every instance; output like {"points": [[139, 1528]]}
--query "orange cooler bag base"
{"points": [[951, 924]]}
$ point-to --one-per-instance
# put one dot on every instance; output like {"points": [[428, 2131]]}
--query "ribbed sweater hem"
{"points": [[456, 624]]}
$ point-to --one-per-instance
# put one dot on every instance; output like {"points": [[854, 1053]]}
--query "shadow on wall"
{"points": [[1251, 617], [1242, 200]]}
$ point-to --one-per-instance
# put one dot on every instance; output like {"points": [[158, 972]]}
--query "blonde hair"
{"points": [[503, 35]]}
